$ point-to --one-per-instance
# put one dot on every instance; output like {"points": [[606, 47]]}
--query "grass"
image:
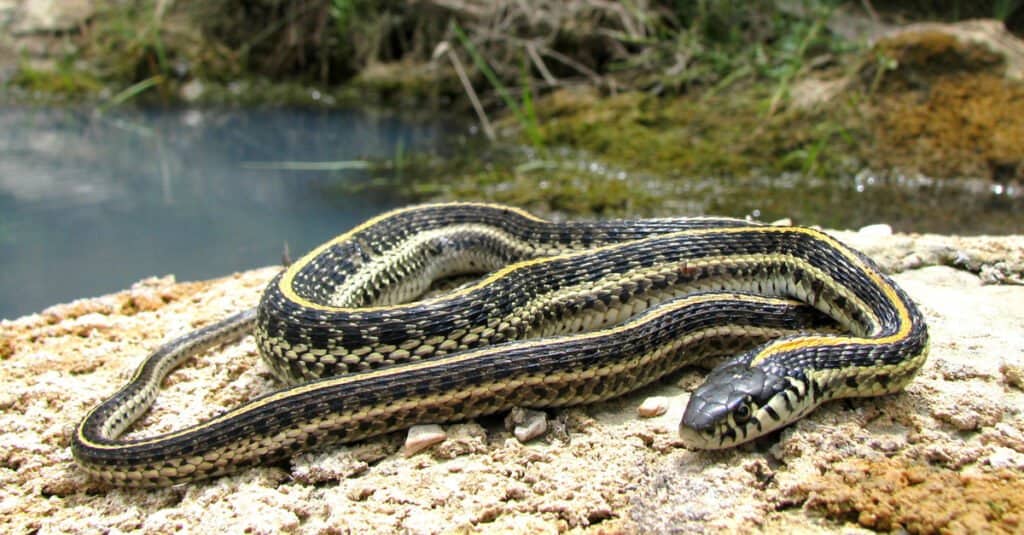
{"points": [[524, 114], [129, 93]]}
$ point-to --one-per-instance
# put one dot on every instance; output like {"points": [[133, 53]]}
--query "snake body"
{"points": [[569, 313]]}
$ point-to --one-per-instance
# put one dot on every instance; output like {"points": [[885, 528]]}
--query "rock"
{"points": [[462, 439], [526, 424], [946, 454], [652, 407], [192, 90], [807, 93], [421, 437], [1013, 374], [971, 45], [878, 230], [314, 469], [37, 16]]}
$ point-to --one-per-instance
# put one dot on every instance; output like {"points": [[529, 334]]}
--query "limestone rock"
{"points": [[943, 455], [37, 16], [972, 45]]}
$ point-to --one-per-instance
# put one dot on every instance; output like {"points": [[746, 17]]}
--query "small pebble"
{"points": [[146, 299], [911, 261], [1013, 375], [1006, 458], [653, 406], [526, 424], [421, 437], [877, 230], [784, 222], [991, 274]]}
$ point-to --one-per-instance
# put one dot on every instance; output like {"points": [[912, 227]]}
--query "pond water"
{"points": [[91, 203]]}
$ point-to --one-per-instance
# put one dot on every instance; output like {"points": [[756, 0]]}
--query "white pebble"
{"points": [[1006, 458], [653, 406], [528, 424], [879, 230], [421, 437]]}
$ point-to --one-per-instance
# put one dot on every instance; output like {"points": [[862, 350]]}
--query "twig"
{"points": [[485, 123], [531, 49], [870, 9], [286, 255], [594, 77]]}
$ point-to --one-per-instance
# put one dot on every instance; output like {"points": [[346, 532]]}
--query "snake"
{"points": [[559, 313]]}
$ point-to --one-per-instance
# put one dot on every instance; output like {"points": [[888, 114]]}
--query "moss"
{"points": [[731, 135], [573, 192], [549, 185], [403, 82], [62, 80]]}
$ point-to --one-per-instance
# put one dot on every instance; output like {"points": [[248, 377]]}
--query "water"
{"points": [[89, 204], [907, 203]]}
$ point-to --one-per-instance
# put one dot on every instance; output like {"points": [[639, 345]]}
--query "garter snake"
{"points": [[567, 313]]}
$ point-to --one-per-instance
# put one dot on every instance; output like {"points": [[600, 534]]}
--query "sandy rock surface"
{"points": [[948, 453]]}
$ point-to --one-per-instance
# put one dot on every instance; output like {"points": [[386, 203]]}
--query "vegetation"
{"points": [[665, 88], [513, 47]]}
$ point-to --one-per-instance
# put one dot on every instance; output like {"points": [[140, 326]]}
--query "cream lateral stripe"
{"points": [[358, 281], [178, 347], [287, 279], [285, 283], [480, 390], [405, 368], [890, 293]]}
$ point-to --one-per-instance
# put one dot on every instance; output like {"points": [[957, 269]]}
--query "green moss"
{"points": [[548, 189], [717, 135], [62, 80], [912, 60], [403, 83], [545, 182]]}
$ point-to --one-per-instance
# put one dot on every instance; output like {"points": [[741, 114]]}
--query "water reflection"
{"points": [[907, 203], [89, 204]]}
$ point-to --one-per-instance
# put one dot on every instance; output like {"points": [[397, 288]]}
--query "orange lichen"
{"points": [[7, 348], [894, 494], [962, 125]]}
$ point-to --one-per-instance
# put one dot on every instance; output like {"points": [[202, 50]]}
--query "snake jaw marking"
{"points": [[570, 313]]}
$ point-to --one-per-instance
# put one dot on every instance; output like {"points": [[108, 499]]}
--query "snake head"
{"points": [[735, 404]]}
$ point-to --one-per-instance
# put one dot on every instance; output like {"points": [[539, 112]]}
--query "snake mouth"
{"points": [[713, 438]]}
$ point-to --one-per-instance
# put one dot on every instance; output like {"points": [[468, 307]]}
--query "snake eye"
{"points": [[742, 414]]}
